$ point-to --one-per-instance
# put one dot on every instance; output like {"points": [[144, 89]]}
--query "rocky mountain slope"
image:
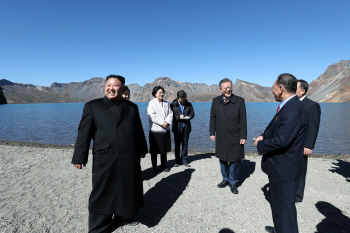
{"points": [[333, 85], [94, 88]]}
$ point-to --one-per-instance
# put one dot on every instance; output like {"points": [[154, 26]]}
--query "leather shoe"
{"points": [[223, 184], [298, 201], [187, 165], [176, 165], [129, 222], [166, 170], [234, 189], [270, 229]]}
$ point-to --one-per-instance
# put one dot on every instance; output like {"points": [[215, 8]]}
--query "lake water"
{"points": [[57, 123]]}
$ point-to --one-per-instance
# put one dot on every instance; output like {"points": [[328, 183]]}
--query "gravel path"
{"points": [[40, 191]]}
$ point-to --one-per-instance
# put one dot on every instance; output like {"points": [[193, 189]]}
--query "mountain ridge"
{"points": [[331, 86]]}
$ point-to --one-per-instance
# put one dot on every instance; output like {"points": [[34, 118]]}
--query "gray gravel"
{"points": [[40, 191]]}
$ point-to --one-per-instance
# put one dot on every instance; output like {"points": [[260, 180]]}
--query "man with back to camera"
{"points": [[183, 113], [313, 124], [228, 128], [119, 142], [282, 147]]}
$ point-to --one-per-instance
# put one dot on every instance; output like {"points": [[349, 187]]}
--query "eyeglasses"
{"points": [[227, 88]]}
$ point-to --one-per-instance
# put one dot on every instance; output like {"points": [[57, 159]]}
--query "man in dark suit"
{"points": [[228, 128], [183, 113], [118, 144], [313, 124], [282, 147]]}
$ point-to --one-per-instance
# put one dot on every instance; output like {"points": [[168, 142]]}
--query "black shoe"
{"points": [[270, 229], [298, 201], [223, 184], [187, 165], [117, 220], [166, 170], [176, 165], [154, 170], [234, 189], [129, 222]]}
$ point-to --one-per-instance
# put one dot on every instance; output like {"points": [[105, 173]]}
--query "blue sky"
{"points": [[42, 42]]}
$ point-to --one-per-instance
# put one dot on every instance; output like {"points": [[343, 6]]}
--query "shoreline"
{"points": [[209, 152]]}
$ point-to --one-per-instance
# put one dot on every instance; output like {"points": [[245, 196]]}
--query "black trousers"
{"points": [[163, 160], [282, 203], [181, 139], [302, 180]]}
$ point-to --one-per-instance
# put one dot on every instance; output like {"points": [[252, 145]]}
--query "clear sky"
{"points": [[202, 41]]}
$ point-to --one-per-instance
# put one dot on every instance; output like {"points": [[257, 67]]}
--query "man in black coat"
{"points": [[282, 147], [183, 113], [313, 124], [114, 125], [228, 128]]}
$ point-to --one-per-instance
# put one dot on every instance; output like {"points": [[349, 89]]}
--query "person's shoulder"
{"points": [[239, 98], [95, 102], [130, 104], [217, 98], [311, 102], [174, 103]]}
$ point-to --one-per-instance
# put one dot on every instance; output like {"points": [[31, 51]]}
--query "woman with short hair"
{"points": [[160, 117]]}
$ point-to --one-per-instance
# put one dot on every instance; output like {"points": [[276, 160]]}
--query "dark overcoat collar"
{"points": [[232, 99], [124, 110]]}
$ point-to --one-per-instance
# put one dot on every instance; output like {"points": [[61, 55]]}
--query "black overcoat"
{"points": [[118, 143], [177, 122], [228, 123], [313, 110]]}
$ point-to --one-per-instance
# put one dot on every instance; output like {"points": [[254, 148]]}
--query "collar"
{"points": [[109, 103], [285, 101], [302, 98]]}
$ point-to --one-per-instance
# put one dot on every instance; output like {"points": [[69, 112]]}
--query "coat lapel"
{"points": [[123, 112]]}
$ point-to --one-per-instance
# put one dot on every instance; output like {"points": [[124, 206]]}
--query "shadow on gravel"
{"points": [[266, 191], [246, 168], [226, 230], [335, 220], [147, 174], [343, 168], [160, 198]]}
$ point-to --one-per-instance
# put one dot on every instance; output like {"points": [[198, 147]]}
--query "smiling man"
{"points": [[228, 128], [114, 125]]}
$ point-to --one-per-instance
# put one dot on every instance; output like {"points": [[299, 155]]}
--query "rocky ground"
{"points": [[40, 191]]}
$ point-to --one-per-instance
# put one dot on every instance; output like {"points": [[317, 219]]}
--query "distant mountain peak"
{"points": [[344, 63]]}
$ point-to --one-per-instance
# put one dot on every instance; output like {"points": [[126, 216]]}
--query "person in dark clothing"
{"points": [[313, 110], [119, 142], [282, 146], [183, 113], [228, 128]]}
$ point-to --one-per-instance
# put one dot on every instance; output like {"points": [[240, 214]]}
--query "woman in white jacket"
{"points": [[160, 117]]}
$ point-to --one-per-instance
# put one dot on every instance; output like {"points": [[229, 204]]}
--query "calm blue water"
{"points": [[58, 123]]}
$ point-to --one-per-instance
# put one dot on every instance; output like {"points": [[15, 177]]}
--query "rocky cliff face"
{"points": [[333, 85], [94, 88], [2, 97], [199, 92], [28, 93]]}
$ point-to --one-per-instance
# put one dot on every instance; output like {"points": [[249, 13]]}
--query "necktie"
{"points": [[278, 108], [182, 111], [226, 100]]}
